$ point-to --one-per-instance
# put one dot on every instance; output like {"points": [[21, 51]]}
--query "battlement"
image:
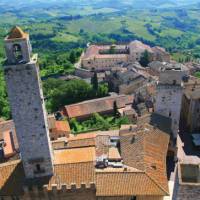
{"points": [[61, 188]]}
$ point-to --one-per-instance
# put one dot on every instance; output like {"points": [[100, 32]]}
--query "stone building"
{"points": [[190, 112], [187, 182], [125, 82], [27, 105], [104, 106], [104, 57], [155, 67], [80, 173], [169, 95]]}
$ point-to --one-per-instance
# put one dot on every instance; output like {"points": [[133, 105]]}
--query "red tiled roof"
{"points": [[62, 126], [17, 33], [146, 149], [93, 52], [76, 155], [97, 105], [126, 184], [8, 147]]}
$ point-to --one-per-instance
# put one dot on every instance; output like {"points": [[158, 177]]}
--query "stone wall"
{"points": [[83, 73], [130, 198], [149, 198], [103, 64], [188, 192], [25, 49], [62, 192]]}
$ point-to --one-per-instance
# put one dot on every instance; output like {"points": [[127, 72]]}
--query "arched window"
{"points": [[17, 51]]}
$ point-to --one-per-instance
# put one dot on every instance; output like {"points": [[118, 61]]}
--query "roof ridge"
{"points": [[119, 172], [98, 99], [73, 163], [167, 192], [14, 162]]}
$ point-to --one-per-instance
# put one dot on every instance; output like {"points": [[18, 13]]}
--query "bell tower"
{"points": [[27, 105]]}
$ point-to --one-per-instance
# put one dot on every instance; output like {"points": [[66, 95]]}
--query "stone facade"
{"points": [[61, 192], [104, 57], [190, 112], [28, 109], [169, 96]]}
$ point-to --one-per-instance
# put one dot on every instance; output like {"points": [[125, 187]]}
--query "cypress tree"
{"points": [[94, 82]]}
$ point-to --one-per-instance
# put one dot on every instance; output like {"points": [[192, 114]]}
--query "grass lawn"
{"points": [[97, 122]]}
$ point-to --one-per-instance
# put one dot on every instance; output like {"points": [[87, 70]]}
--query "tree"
{"points": [[145, 59], [102, 90], [72, 57], [115, 109], [59, 93], [112, 49], [74, 125], [4, 104], [94, 82]]}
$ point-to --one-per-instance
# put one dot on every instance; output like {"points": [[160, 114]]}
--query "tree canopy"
{"points": [[4, 105], [60, 93], [145, 59]]}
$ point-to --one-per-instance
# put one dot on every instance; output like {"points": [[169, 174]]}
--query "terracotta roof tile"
{"points": [[86, 108], [76, 155], [8, 147], [89, 142], [17, 33], [126, 184], [113, 154], [73, 173], [62, 126], [81, 170], [11, 178], [146, 149]]}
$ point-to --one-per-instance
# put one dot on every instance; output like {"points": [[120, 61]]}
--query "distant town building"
{"points": [[156, 67], [125, 82], [103, 57]]}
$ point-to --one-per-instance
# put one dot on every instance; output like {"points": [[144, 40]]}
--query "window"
{"points": [[38, 168], [15, 198], [133, 139], [17, 51], [133, 198]]}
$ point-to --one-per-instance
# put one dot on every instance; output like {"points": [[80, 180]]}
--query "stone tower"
{"points": [[169, 95], [27, 105]]}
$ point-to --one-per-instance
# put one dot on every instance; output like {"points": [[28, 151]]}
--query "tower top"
{"points": [[18, 47], [17, 33]]}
